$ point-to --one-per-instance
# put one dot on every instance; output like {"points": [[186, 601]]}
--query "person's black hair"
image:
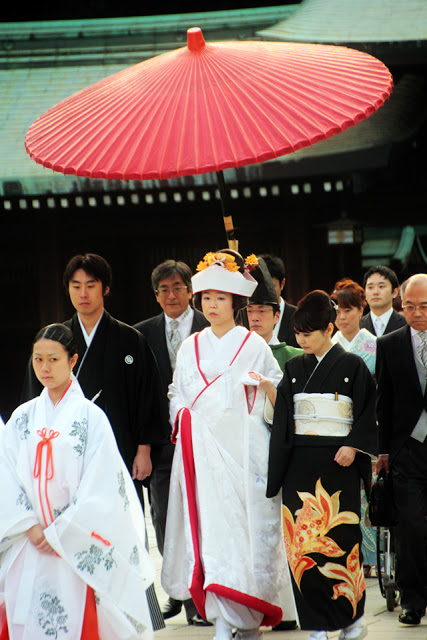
{"points": [[275, 265], [58, 333], [314, 312], [94, 265], [385, 272], [170, 268], [236, 255]]}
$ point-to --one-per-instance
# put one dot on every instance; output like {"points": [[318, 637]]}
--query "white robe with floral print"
{"points": [[60, 467]]}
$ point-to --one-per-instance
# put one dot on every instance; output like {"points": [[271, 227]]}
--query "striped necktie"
{"points": [[422, 347], [175, 338]]}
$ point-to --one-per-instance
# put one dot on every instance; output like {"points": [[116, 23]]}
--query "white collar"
{"points": [[282, 310], [320, 358], [88, 338], [385, 317], [180, 318]]}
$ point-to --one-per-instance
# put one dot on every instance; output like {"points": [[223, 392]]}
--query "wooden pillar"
{"points": [[296, 249], [50, 269]]}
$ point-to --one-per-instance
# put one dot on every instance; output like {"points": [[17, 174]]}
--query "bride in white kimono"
{"points": [[227, 533], [73, 562]]}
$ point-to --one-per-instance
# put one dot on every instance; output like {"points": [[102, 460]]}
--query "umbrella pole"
{"points": [[228, 220]]}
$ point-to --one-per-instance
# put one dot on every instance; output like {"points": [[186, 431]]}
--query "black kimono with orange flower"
{"points": [[321, 499]]}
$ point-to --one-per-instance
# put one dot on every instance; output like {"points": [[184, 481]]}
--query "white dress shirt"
{"points": [[282, 311], [384, 318]]}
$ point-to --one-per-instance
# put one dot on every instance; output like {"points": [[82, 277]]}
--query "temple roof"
{"points": [[346, 21]]}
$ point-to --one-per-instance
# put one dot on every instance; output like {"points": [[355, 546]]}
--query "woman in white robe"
{"points": [[227, 533], [73, 562]]}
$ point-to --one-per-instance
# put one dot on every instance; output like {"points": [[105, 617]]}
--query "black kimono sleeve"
{"points": [[281, 437], [152, 419], [364, 431]]}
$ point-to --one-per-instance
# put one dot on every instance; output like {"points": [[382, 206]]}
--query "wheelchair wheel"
{"points": [[386, 568]]}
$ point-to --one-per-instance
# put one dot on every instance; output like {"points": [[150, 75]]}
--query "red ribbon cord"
{"points": [[98, 537], [49, 470]]}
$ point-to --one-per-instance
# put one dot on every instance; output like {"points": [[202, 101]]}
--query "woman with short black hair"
{"points": [[324, 432]]}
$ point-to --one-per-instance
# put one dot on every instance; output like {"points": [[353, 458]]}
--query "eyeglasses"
{"points": [[165, 291], [410, 308]]}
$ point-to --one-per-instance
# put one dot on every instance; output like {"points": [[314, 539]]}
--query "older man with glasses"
{"points": [[402, 420], [171, 282]]}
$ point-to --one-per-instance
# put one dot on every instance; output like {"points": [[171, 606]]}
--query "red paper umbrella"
{"points": [[209, 107]]}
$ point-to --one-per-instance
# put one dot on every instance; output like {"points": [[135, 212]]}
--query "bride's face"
{"points": [[217, 307]]}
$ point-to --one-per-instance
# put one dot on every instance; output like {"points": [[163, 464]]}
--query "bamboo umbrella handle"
{"points": [[228, 220]]}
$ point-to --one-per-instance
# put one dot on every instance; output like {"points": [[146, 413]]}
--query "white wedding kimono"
{"points": [[60, 467], [224, 543]]}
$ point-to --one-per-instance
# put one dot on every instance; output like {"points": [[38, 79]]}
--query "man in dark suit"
{"points": [[283, 330], [381, 287], [402, 420], [171, 282]]}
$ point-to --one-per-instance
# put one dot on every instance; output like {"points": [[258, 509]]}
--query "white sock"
{"points": [[354, 630], [355, 625], [248, 634], [318, 635]]}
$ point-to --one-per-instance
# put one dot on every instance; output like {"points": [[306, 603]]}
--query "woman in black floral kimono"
{"points": [[324, 432]]}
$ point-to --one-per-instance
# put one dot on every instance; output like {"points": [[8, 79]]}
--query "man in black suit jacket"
{"points": [[381, 287], [284, 330], [402, 420], [171, 281]]}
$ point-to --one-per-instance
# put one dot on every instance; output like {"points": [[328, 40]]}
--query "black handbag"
{"points": [[382, 510]]}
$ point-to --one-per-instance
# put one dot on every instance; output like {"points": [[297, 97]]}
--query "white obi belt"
{"points": [[322, 414]]}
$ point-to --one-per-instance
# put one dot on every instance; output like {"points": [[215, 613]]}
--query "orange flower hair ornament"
{"points": [[251, 262], [221, 259], [227, 261]]}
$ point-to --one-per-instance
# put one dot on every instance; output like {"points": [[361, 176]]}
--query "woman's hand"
{"points": [[265, 385], [36, 537], [255, 376], [345, 456]]}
